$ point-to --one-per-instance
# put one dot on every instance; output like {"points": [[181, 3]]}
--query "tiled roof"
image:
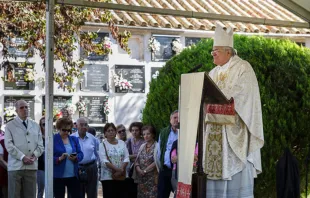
{"points": [[248, 8]]}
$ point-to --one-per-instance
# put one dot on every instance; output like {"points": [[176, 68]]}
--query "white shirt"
{"points": [[22, 120], [118, 154]]}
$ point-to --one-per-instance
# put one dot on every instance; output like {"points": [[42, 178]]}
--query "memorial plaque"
{"points": [[155, 72], [189, 41], [96, 78], [94, 109], [93, 56], [9, 101], [133, 73], [59, 102], [13, 48], [165, 52], [16, 76]]}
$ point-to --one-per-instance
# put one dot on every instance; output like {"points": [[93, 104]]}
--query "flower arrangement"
{"points": [[29, 75], [10, 111], [177, 46], [153, 45], [121, 82], [70, 108], [105, 109], [107, 44], [81, 106], [56, 114]]}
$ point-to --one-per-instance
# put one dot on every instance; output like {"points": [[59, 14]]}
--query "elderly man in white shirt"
{"points": [[89, 146], [23, 141]]}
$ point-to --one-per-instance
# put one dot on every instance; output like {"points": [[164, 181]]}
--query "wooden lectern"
{"points": [[211, 94]]}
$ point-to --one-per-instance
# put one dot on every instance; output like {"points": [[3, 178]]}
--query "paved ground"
{"points": [[100, 191]]}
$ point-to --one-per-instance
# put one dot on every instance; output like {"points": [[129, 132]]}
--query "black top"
{"points": [[287, 174], [41, 161]]}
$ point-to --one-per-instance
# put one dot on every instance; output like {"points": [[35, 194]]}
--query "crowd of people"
{"points": [[137, 166]]}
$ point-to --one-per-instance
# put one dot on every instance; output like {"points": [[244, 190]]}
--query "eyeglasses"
{"points": [[121, 131], [110, 131], [66, 130], [83, 124], [23, 107]]}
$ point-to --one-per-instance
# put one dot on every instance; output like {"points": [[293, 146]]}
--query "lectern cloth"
{"points": [[191, 93]]}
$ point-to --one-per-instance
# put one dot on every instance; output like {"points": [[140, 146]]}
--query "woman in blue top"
{"points": [[67, 154]]}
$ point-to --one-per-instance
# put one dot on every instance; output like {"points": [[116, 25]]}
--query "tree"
{"points": [[27, 21], [282, 69]]}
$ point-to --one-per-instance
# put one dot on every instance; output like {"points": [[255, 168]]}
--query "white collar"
{"points": [[78, 135], [22, 120], [225, 66]]}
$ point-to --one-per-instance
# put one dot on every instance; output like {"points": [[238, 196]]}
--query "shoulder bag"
{"points": [[121, 177]]}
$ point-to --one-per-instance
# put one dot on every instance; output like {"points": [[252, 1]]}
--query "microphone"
{"points": [[195, 68]]}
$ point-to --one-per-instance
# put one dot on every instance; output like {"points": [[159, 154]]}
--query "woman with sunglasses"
{"points": [[121, 132], [67, 154]]}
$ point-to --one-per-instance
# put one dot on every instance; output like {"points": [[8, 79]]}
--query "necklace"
{"points": [[150, 145]]}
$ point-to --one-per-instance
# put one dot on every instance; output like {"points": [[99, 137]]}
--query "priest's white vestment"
{"points": [[232, 151]]}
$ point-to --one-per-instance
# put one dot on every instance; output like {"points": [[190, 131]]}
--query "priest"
{"points": [[232, 146]]}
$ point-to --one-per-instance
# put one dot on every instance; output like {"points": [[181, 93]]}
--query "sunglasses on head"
{"points": [[66, 130], [121, 131]]}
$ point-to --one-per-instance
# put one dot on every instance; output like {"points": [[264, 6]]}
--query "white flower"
{"points": [[120, 82], [29, 75], [10, 111], [70, 108], [154, 45], [177, 46], [107, 42], [81, 106], [154, 76]]}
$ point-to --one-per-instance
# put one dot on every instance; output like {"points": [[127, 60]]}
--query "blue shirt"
{"points": [[173, 136], [89, 146], [69, 167]]}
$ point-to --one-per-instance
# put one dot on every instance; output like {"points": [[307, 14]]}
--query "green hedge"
{"points": [[282, 69]]}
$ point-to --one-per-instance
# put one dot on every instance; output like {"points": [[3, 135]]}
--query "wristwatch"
{"points": [[144, 171]]}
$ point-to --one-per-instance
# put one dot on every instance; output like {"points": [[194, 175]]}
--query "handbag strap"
{"points": [[138, 155], [129, 147], [106, 153]]}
